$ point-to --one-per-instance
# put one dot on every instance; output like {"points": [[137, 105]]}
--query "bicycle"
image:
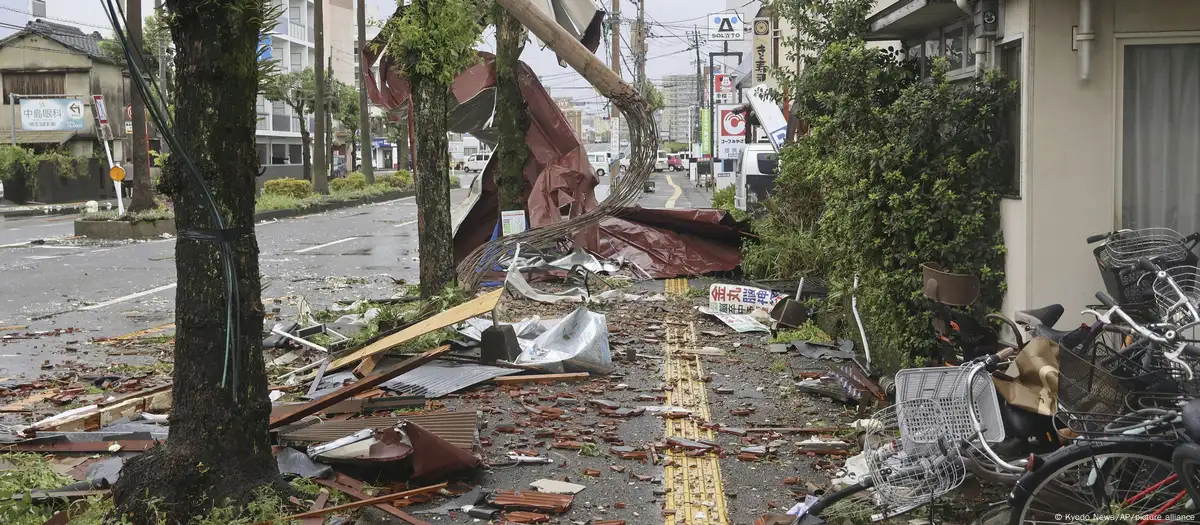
{"points": [[1126, 466]]}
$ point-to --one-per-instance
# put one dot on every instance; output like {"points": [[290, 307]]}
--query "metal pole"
{"points": [[162, 69], [614, 134], [364, 118], [12, 103]]}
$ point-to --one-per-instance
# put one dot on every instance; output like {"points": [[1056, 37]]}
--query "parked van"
{"points": [[599, 161], [756, 172], [660, 161], [477, 162]]}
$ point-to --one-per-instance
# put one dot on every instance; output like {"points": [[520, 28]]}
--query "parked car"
{"points": [[477, 162], [599, 161], [756, 172], [674, 162]]}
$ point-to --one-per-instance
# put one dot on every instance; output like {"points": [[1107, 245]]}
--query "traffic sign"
{"points": [[116, 173], [725, 26], [101, 113]]}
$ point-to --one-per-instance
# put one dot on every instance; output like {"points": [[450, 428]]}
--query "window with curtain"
{"points": [[1160, 171]]}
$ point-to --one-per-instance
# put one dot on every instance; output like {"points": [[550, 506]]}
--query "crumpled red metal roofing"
{"points": [[531, 500]]}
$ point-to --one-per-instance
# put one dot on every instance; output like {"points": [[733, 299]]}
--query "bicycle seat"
{"points": [[1068, 338], [1191, 419], [1046, 315]]}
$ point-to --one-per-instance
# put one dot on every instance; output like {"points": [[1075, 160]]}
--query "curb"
{"points": [[39, 212], [322, 208]]}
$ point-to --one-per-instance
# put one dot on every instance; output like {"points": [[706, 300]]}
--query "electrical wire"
{"points": [[231, 373]]}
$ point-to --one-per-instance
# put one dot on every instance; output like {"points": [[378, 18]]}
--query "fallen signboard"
{"points": [[740, 323], [737, 299]]}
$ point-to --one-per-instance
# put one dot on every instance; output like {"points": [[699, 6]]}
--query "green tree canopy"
{"points": [[655, 97]]}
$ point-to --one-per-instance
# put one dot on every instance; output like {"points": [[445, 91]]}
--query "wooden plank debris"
{"points": [[155, 399], [319, 504], [478, 306], [387, 498], [541, 378], [357, 387]]}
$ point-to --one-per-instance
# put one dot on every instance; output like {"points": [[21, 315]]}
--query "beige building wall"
{"points": [[1071, 141], [341, 33]]}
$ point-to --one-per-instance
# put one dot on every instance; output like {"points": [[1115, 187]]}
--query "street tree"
{"points": [[219, 453], [433, 41], [155, 31], [296, 89], [655, 97], [346, 110], [512, 117]]}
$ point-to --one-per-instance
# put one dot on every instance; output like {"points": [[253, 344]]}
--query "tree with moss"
{"points": [[512, 117], [433, 41], [219, 454], [296, 89]]}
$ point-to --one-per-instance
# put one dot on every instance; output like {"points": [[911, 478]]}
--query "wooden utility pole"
{"points": [[320, 164], [162, 68], [615, 120], [364, 108], [699, 86], [640, 42], [143, 192]]}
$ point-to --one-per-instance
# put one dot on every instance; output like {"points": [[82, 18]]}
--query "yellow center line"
{"points": [[674, 196], [695, 491]]}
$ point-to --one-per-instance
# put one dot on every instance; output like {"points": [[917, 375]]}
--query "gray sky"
{"points": [[668, 45]]}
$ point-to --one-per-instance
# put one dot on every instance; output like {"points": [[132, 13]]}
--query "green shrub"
{"points": [[455, 182], [401, 179], [274, 202], [355, 181], [295, 188], [723, 199], [895, 171]]}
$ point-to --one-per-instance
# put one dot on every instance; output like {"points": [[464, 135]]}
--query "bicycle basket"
{"points": [[1125, 248], [1097, 378], [1154, 425], [912, 459], [946, 387], [1177, 303]]}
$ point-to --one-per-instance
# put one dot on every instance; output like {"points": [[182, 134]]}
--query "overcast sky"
{"points": [[668, 44]]}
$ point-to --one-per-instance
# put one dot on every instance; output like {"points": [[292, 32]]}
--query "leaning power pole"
{"points": [[640, 41], [615, 120], [143, 192], [364, 110], [320, 164]]}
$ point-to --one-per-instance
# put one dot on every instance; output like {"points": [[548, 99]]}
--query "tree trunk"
{"points": [[219, 452], [143, 193], [512, 119], [364, 108], [402, 144], [435, 238], [353, 157], [306, 151]]}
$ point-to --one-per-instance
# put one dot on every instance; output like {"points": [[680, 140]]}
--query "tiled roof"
{"points": [[69, 36]]}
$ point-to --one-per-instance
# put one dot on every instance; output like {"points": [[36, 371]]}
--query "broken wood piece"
{"points": [[154, 399], [89, 447], [541, 378], [363, 501], [23, 405], [367, 366], [477, 306], [361, 405], [357, 387], [319, 504]]}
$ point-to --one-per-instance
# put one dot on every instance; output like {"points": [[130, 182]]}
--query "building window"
{"points": [[1160, 161], [263, 157], [33, 84], [296, 154], [39, 8], [955, 43], [279, 154], [1010, 65]]}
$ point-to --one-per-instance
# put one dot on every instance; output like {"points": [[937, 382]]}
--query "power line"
{"points": [[74, 22]]}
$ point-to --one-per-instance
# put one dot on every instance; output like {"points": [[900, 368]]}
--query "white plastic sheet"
{"points": [[578, 343]]}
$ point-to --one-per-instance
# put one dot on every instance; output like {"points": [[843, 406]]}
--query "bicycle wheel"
{"points": [[1186, 461], [1114, 482]]}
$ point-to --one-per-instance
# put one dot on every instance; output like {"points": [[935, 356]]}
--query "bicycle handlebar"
{"points": [[1106, 300], [1098, 237]]}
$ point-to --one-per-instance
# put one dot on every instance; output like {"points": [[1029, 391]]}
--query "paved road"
{"points": [[110, 288]]}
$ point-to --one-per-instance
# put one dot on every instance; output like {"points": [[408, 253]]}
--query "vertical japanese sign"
{"points": [[731, 132], [723, 89], [734, 299], [705, 132], [763, 49]]}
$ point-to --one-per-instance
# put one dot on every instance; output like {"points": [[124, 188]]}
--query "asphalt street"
{"points": [[106, 289]]}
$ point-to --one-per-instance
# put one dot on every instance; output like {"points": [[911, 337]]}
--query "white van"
{"points": [[599, 161], [660, 161], [477, 162], [756, 172]]}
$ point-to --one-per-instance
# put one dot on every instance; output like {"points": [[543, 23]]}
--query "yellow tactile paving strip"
{"points": [[695, 492]]}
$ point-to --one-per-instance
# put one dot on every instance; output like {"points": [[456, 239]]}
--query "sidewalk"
{"points": [[32, 210]]}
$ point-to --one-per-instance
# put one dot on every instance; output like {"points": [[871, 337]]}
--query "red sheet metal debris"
{"points": [[530, 500], [560, 182]]}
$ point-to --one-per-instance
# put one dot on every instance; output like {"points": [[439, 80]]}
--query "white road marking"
{"points": [[326, 245], [403, 224], [43, 257], [674, 196], [51, 247], [15, 244], [130, 296]]}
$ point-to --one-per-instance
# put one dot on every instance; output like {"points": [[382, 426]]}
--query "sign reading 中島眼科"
{"points": [[734, 299], [731, 132], [51, 114], [725, 26]]}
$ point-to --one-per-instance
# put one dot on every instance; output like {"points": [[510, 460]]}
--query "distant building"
{"points": [[680, 99]]}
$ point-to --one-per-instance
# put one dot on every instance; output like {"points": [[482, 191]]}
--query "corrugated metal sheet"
{"points": [[439, 378], [459, 428], [531, 500]]}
